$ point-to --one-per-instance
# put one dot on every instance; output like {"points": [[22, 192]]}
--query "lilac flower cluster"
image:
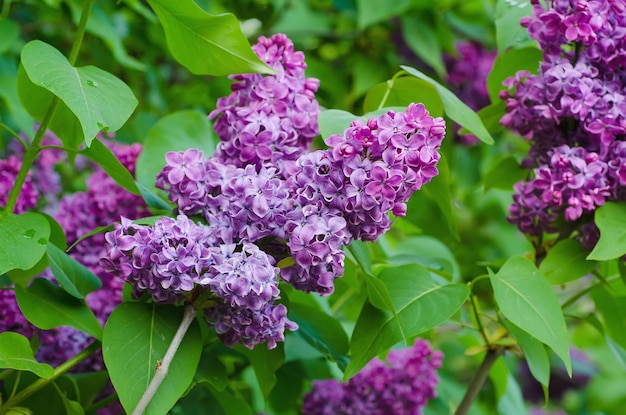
{"points": [[401, 386], [467, 78], [175, 256], [281, 204], [574, 114], [268, 120]]}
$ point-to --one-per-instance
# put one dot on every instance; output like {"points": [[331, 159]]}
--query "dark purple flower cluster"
{"points": [[175, 256], [467, 78], [401, 386], [574, 114], [268, 120]]}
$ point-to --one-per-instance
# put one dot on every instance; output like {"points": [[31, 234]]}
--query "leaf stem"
{"points": [[587, 290], [33, 149], [479, 323], [390, 83], [478, 380], [163, 365], [80, 33], [30, 155], [14, 134], [40, 383]]}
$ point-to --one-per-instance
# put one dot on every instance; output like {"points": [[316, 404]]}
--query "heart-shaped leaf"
{"points": [[16, 353]]}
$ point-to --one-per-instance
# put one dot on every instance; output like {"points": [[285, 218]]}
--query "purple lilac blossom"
{"points": [[401, 386], [268, 120], [467, 78], [178, 256], [573, 112]]}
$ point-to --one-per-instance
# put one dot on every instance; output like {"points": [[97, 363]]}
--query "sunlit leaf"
{"points": [[526, 298], [16, 353], [610, 219], [565, 262], [456, 109], [203, 43]]}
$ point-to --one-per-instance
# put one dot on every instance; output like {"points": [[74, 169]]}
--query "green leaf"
{"points": [[456, 109], [98, 100], [504, 174], [420, 305], [400, 93], [374, 11], [337, 121], [178, 131], [321, 331], [135, 337], [23, 240], [535, 353], [16, 353], [439, 191], [509, 32], [74, 277], [566, 262], [265, 363], [105, 158], [507, 64], [376, 291], [9, 34], [48, 306], [422, 39], [211, 371], [610, 219], [526, 298], [232, 405], [206, 44], [613, 310]]}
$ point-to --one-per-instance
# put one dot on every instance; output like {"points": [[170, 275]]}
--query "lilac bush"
{"points": [[401, 385], [267, 199], [573, 112]]}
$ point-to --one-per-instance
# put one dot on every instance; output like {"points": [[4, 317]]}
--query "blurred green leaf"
{"points": [[15, 353], [23, 240], [265, 363], [135, 338], [206, 44], [439, 191], [507, 64], [9, 34], [509, 32], [374, 11], [420, 305], [99, 100], [504, 174], [422, 39], [232, 405], [402, 92], [610, 219], [48, 306], [178, 131], [566, 261], [212, 371], [74, 277], [322, 331], [456, 109], [613, 309], [526, 298]]}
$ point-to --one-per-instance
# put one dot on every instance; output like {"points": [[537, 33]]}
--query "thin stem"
{"points": [[80, 32], [6, 373], [14, 134], [66, 149], [479, 323], [390, 83], [33, 150], [587, 290], [478, 380], [101, 403], [30, 155], [6, 6], [164, 365], [40, 383]]}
